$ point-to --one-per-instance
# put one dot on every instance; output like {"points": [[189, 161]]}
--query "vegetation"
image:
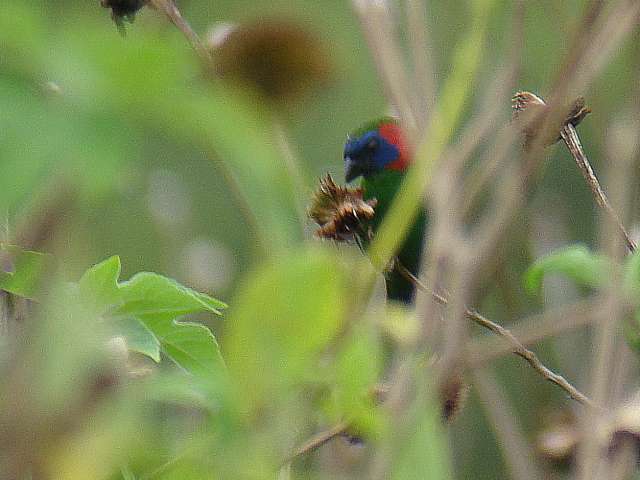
{"points": [[186, 138]]}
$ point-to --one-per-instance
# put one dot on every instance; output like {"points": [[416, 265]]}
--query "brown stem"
{"points": [[535, 328], [169, 8], [319, 440], [572, 141], [518, 348]]}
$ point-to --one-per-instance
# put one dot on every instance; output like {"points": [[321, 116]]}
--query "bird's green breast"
{"points": [[383, 187]]}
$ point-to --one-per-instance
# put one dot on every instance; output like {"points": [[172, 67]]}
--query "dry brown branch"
{"points": [[608, 359], [444, 262], [572, 141], [575, 76], [169, 8], [534, 328], [518, 348]]}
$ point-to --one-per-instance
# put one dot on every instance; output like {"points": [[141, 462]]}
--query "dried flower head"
{"points": [[279, 59], [123, 10], [340, 211], [522, 101], [530, 109], [578, 111]]}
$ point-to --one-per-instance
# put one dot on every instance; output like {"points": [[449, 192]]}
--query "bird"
{"points": [[377, 153]]}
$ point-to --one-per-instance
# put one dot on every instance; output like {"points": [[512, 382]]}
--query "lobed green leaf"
{"points": [[190, 345], [28, 268], [139, 337], [99, 284], [152, 295], [147, 307]]}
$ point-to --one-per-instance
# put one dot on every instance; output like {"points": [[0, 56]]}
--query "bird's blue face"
{"points": [[368, 154]]}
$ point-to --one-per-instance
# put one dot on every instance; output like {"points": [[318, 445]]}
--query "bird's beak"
{"points": [[352, 169]]}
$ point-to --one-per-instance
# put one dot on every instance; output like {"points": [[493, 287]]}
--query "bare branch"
{"points": [[534, 328], [572, 141], [169, 8], [518, 349]]}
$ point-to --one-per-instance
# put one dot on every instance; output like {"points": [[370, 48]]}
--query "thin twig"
{"points": [[572, 141], [534, 328], [294, 166], [319, 440], [518, 348], [169, 8], [607, 356]]}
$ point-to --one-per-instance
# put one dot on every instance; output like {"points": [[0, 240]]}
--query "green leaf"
{"points": [[152, 295], [99, 284], [282, 317], [28, 268], [139, 338], [190, 345], [173, 387], [127, 474], [424, 453], [357, 368], [157, 301], [575, 262]]}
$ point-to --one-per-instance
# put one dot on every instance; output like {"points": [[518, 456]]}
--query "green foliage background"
{"points": [[134, 110]]}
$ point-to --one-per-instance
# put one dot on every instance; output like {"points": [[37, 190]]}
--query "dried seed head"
{"points": [[278, 59], [525, 101], [340, 211], [530, 110], [123, 10]]}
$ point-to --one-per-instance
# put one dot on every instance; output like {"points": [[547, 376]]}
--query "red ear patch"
{"points": [[392, 133]]}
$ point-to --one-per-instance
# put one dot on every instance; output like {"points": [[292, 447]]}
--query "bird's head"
{"points": [[377, 146]]}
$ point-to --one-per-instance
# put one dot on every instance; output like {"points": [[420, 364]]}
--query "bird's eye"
{"points": [[373, 144]]}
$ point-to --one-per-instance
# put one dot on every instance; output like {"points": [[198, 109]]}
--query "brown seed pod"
{"points": [[277, 58], [339, 211], [530, 111]]}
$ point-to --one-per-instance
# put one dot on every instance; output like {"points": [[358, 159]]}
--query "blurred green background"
{"points": [[87, 113]]}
